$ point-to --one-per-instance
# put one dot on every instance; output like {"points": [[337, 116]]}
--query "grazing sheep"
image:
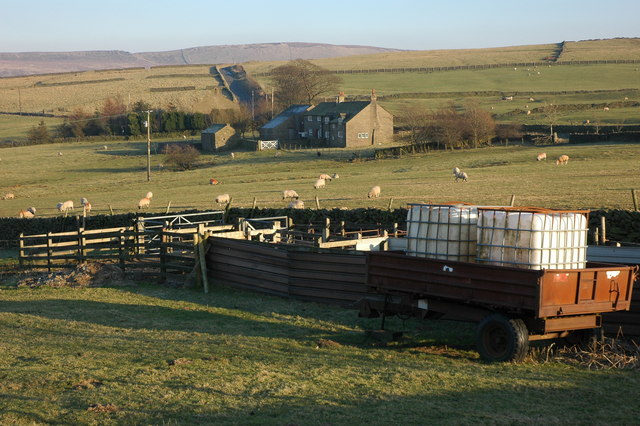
{"points": [[9, 196], [28, 213], [563, 159], [65, 207], [105, 147], [289, 193], [59, 154], [319, 184], [606, 108], [144, 203], [456, 171], [374, 192], [232, 155], [149, 195], [223, 199], [296, 204], [462, 175], [325, 177], [335, 176], [541, 156], [213, 181], [86, 205]]}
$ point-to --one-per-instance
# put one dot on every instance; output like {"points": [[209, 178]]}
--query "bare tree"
{"points": [[417, 121], [551, 113], [480, 123], [449, 127], [301, 81]]}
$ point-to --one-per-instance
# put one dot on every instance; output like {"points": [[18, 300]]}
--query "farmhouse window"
{"points": [[333, 126], [326, 119], [339, 133], [363, 135], [326, 134], [319, 118], [310, 118]]}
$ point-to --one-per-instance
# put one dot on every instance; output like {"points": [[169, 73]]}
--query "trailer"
{"points": [[512, 306]]}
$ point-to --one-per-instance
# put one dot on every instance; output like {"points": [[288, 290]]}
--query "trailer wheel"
{"points": [[502, 339]]}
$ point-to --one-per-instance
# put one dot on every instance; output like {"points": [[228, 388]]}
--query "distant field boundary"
{"points": [[172, 89], [75, 83], [472, 67]]}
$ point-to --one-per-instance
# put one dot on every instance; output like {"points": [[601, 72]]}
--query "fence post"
{"points": [[603, 227], [342, 229], [21, 252], [168, 207], [317, 203], [634, 196], [226, 210], [110, 210], [513, 200], [326, 231], [81, 246], [163, 252], [121, 250], [390, 203], [202, 237], [49, 253]]}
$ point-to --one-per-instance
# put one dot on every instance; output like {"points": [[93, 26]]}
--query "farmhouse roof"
{"points": [[334, 109], [214, 128], [286, 114]]}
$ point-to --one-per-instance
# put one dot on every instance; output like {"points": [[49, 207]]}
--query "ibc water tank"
{"points": [[442, 231], [532, 238]]}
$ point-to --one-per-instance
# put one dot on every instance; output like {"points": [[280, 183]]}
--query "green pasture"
{"points": [[18, 126], [148, 354], [597, 176]]}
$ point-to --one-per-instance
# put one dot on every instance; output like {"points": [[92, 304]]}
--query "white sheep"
{"points": [[232, 155], [85, 204], [374, 192], [563, 159], [289, 193], [296, 204], [319, 184], [541, 156], [28, 213], [325, 177], [9, 196], [223, 199], [462, 175], [456, 171], [59, 154], [144, 203], [65, 207], [149, 195], [335, 176], [105, 147]]}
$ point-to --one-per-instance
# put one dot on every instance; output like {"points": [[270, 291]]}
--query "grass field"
{"points": [[156, 355], [597, 176]]}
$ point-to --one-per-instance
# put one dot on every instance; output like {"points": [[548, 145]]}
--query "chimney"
{"points": [[373, 95], [340, 98]]}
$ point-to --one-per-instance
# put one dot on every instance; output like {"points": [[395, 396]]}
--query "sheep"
{"points": [[9, 196], [296, 204], [374, 192], [28, 213], [563, 159], [289, 193], [144, 203], [86, 205], [65, 207], [325, 177], [59, 154], [232, 155], [462, 175], [541, 156], [149, 195], [223, 199], [528, 112], [606, 108], [104, 147], [456, 171], [213, 181], [319, 184], [335, 176]]}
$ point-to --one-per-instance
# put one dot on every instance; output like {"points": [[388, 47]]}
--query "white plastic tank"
{"points": [[532, 238], [442, 231]]}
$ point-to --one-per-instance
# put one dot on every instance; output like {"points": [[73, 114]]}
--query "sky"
{"points": [[160, 25]]}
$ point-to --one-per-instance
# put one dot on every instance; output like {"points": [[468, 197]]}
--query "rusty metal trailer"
{"points": [[512, 306]]}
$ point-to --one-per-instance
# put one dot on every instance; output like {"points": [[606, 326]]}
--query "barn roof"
{"points": [[285, 115], [214, 128]]}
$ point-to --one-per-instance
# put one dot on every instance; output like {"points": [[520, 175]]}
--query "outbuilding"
{"points": [[217, 136]]}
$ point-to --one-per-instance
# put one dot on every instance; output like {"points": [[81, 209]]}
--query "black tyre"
{"points": [[502, 339]]}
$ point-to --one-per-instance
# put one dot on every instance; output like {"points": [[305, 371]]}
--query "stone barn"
{"points": [[287, 125], [217, 136]]}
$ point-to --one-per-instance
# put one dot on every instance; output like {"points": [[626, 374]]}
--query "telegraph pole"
{"points": [[148, 145]]}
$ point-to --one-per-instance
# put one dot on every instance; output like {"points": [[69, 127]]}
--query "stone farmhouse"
{"points": [[336, 124]]}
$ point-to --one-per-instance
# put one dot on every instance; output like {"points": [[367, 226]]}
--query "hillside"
{"points": [[30, 63]]}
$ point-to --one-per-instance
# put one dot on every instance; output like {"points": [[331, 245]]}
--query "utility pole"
{"points": [[148, 123], [253, 109], [272, 103]]}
